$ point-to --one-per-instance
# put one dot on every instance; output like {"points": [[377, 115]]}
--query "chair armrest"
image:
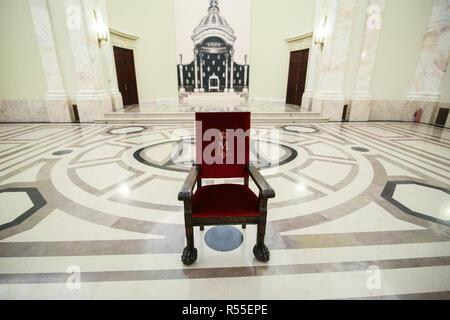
{"points": [[188, 185], [261, 183]]}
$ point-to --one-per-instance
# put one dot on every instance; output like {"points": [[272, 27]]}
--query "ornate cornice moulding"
{"points": [[122, 40], [300, 42]]}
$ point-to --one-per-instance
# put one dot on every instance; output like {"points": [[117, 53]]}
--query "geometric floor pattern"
{"points": [[111, 212]]}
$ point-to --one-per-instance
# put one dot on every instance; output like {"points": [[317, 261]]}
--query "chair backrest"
{"points": [[222, 142]]}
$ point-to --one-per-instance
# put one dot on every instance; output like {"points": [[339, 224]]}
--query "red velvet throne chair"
{"points": [[224, 204]]}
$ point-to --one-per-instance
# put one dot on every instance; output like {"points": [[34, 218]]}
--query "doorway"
{"points": [[298, 65], [441, 118], [126, 75]]}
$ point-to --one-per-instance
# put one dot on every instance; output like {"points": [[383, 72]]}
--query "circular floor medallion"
{"points": [[179, 154], [359, 149], [61, 152], [299, 129], [223, 238], [126, 130]]}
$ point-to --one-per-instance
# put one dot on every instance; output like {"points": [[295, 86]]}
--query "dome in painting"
{"points": [[213, 25]]}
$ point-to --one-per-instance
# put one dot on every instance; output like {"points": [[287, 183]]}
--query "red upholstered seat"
{"points": [[223, 200]]}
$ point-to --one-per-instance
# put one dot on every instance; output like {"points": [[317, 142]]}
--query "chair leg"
{"points": [[190, 252], [244, 226], [202, 228], [260, 250]]}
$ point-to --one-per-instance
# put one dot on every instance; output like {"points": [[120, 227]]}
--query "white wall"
{"points": [[21, 73], [155, 54], [399, 48], [272, 23]]}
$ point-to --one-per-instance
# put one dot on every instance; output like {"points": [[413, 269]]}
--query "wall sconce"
{"points": [[320, 34], [101, 29]]}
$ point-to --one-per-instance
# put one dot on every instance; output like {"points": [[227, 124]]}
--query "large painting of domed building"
{"points": [[213, 44]]}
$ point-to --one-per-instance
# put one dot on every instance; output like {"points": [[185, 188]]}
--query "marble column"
{"points": [[433, 63], [196, 70], [110, 63], [180, 67], [361, 99], [201, 73], [314, 53], [231, 71], [93, 96], [245, 89], [328, 99], [226, 73], [56, 100]]}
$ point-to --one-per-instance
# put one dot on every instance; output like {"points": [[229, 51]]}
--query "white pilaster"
{"points": [[232, 72], [433, 63], [93, 96], [201, 73], [56, 100], [180, 67], [108, 53], [360, 103], [314, 54], [226, 73], [195, 71], [245, 89], [329, 98]]}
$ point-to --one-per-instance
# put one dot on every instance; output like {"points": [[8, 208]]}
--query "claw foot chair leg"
{"points": [[190, 252], [189, 255], [260, 250]]}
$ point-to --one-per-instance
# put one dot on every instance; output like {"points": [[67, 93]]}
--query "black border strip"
{"points": [[389, 190], [38, 202]]}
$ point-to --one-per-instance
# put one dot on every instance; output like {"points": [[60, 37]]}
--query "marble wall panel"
{"points": [[59, 110], [23, 111], [359, 110], [433, 61], [387, 110], [331, 109], [117, 101], [93, 108]]}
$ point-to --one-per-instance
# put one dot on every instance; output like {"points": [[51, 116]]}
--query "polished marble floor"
{"points": [[91, 212]]}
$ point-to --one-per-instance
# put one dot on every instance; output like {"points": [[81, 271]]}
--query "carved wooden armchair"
{"points": [[224, 204]]}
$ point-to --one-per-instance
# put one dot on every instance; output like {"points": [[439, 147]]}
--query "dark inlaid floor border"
{"points": [[314, 130], [124, 127], [36, 198], [388, 193]]}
